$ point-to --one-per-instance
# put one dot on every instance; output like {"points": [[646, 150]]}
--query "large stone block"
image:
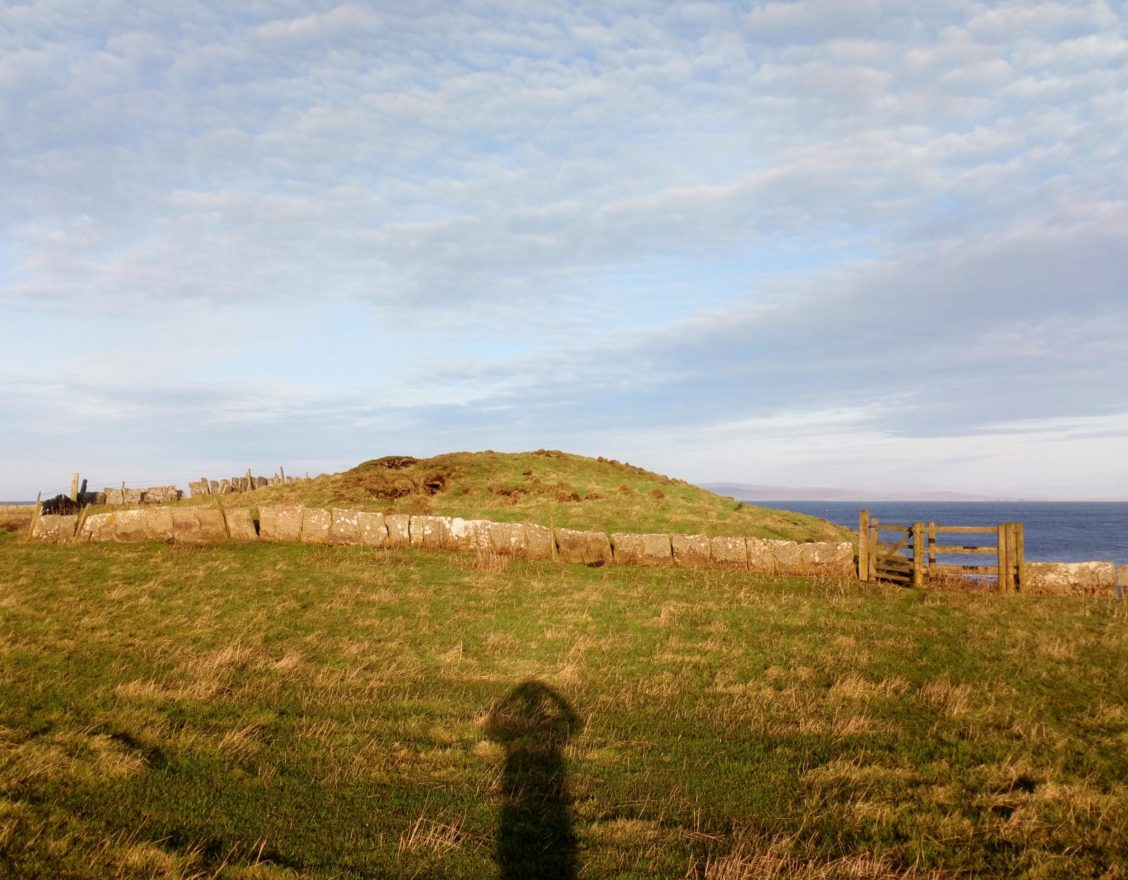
{"points": [[316, 523], [430, 532], [469, 535], [508, 538], [158, 494], [240, 524], [729, 551], [399, 529], [691, 551], [820, 558], [131, 496], [214, 487], [632, 549], [55, 529], [141, 525], [198, 525], [281, 522], [1071, 578], [345, 528], [373, 530], [113, 496], [540, 543], [96, 527], [583, 548]]}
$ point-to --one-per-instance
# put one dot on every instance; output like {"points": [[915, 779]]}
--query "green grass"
{"points": [[546, 487], [274, 711]]}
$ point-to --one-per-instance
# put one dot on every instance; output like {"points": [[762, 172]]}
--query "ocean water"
{"points": [[1055, 531]]}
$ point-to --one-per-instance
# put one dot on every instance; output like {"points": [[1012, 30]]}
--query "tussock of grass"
{"points": [[280, 711]]}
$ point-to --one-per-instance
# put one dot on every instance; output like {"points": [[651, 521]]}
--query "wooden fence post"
{"points": [[36, 514], [863, 545], [74, 487], [918, 555], [1019, 552], [1006, 581], [931, 544], [874, 531]]}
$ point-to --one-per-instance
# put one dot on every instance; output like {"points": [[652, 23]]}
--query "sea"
{"points": [[1054, 531]]}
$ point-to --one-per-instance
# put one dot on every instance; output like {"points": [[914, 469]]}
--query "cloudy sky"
{"points": [[870, 244]]}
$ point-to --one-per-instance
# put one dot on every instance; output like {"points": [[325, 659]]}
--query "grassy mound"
{"points": [[549, 487]]}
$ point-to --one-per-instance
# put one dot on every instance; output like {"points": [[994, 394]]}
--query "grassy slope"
{"points": [[276, 711], [553, 488]]}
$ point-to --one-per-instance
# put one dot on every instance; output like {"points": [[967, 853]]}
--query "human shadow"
{"points": [[534, 837]]}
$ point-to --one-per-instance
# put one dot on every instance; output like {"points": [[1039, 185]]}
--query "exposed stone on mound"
{"points": [[632, 549], [399, 529], [198, 525], [55, 529], [691, 551], [583, 548], [728, 551], [1071, 578], [240, 525]]}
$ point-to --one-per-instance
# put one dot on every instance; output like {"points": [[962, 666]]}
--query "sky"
{"points": [[872, 244]]}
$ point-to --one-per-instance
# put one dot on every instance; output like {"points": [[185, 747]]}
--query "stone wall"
{"points": [[233, 485], [310, 525], [297, 523], [1072, 578], [151, 495]]}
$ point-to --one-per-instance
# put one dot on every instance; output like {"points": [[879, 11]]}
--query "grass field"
{"points": [[293, 711]]}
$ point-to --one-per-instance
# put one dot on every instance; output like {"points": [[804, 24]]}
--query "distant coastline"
{"points": [[752, 492]]}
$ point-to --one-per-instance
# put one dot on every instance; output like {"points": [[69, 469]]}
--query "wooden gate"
{"points": [[909, 557]]}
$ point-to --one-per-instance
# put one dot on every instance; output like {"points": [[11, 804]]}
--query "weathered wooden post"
{"points": [[38, 512], [918, 555], [74, 487], [863, 545], [1019, 552], [1006, 581], [872, 550], [931, 544]]}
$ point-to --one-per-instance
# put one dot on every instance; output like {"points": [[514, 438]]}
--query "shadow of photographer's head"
{"points": [[532, 717]]}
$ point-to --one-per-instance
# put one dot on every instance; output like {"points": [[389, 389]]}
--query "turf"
{"points": [[278, 711]]}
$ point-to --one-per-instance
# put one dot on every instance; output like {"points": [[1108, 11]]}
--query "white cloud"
{"points": [[587, 214]]}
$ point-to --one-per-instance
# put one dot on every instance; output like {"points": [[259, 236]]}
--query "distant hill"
{"points": [[751, 492], [548, 487]]}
